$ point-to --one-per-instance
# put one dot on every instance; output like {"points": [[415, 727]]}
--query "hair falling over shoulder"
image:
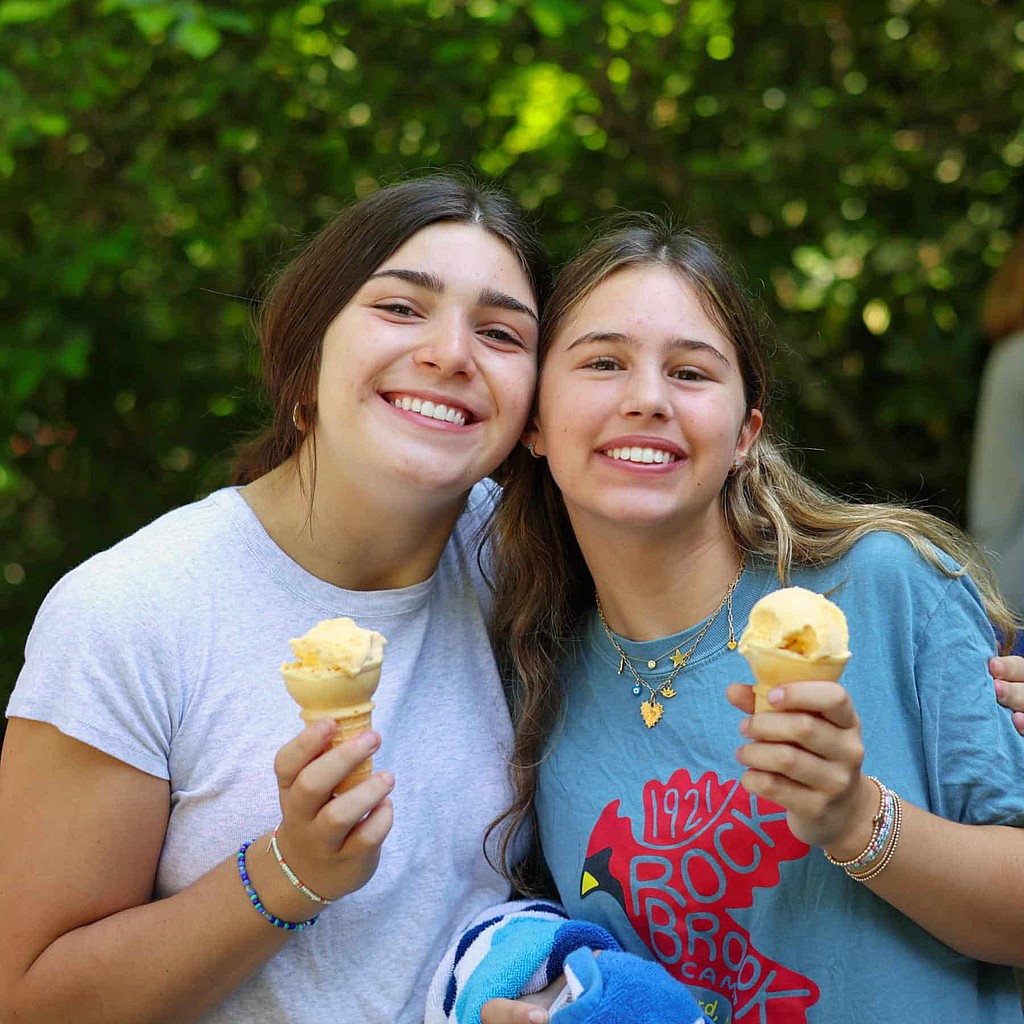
{"points": [[542, 584]]}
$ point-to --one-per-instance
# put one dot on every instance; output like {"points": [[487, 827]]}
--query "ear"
{"points": [[748, 433], [532, 434]]}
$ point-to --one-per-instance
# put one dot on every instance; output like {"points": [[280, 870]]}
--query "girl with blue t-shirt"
{"points": [[855, 857]]}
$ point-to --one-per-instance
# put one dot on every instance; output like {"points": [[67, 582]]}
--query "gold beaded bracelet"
{"points": [[877, 826]]}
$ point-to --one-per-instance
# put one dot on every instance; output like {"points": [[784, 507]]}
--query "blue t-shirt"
{"points": [[649, 833]]}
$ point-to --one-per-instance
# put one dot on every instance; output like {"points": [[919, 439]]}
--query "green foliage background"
{"points": [[158, 158]]}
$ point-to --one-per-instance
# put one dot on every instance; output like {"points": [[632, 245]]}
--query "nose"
{"points": [[448, 348], [646, 395]]}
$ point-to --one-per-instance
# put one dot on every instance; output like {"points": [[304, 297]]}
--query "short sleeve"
{"points": [[973, 755], [101, 666]]}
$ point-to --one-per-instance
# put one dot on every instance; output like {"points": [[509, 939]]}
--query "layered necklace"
{"points": [[652, 709]]}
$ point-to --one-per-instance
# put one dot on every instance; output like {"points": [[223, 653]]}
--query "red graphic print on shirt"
{"points": [[704, 847]]}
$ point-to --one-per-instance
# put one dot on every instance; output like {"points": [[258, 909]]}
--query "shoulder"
{"points": [[890, 556], [885, 578], [146, 571]]}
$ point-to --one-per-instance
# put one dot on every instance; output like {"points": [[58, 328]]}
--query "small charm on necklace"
{"points": [[636, 690], [652, 664], [666, 691], [731, 645], [680, 660], [651, 711], [622, 665]]}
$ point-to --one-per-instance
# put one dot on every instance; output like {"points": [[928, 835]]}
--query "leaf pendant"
{"points": [[667, 692], [651, 711]]}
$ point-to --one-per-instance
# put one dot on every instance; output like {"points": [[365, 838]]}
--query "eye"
{"points": [[689, 373], [602, 363], [396, 307], [503, 336]]}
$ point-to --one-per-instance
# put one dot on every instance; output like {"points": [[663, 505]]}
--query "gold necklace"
{"points": [[652, 709]]}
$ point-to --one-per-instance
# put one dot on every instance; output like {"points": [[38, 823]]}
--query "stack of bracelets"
{"points": [[243, 874], [885, 834]]}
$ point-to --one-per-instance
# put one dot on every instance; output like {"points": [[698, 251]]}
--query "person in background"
{"points": [[861, 850], [995, 493], [167, 842]]}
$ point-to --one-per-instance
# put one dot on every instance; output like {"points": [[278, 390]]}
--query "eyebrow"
{"points": [[490, 297], [690, 344]]}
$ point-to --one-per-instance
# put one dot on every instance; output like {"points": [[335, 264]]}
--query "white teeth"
{"points": [[641, 455], [434, 411]]}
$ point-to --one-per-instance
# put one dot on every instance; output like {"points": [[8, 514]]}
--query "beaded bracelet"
{"points": [[294, 878], [890, 848], [879, 832], [288, 926], [885, 835]]}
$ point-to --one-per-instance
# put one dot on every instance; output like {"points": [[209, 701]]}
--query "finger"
{"points": [[1009, 667], [297, 753], [1018, 722], [794, 797], [830, 700], [312, 787], [370, 831], [807, 730], [1010, 695], [799, 766], [741, 696], [511, 1011]]}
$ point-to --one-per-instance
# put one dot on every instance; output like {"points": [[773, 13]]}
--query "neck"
{"points": [[358, 540], [651, 589]]}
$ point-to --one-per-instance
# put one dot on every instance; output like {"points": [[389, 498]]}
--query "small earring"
{"points": [[738, 463], [298, 419], [531, 448]]}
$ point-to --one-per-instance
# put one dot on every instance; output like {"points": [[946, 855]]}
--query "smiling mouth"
{"points": [[643, 456], [432, 410]]}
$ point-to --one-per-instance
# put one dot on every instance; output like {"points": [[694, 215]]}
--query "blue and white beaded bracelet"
{"points": [[288, 926]]}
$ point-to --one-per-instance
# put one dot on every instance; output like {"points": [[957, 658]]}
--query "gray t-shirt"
{"points": [[164, 652]]}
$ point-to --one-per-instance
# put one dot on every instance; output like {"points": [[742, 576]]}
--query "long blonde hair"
{"points": [[542, 583]]}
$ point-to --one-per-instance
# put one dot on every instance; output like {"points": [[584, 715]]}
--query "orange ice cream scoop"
{"points": [[336, 672], [793, 635]]}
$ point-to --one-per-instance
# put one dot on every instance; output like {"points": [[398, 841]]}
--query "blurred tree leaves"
{"points": [[159, 159]]}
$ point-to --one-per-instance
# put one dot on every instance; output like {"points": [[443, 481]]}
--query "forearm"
{"points": [[169, 960], [961, 883]]}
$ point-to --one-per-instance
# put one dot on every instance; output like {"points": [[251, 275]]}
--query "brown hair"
{"points": [[322, 280], [1002, 310], [542, 583]]}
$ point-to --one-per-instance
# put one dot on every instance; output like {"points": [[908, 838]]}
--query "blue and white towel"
{"points": [[521, 947]]}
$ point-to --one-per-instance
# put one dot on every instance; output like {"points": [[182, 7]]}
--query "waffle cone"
{"points": [[772, 667], [343, 698]]}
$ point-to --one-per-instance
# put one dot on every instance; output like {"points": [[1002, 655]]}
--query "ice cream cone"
{"points": [[771, 667], [336, 674], [341, 697], [793, 635]]}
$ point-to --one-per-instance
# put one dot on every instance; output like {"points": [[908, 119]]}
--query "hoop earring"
{"points": [[298, 418], [531, 448]]}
